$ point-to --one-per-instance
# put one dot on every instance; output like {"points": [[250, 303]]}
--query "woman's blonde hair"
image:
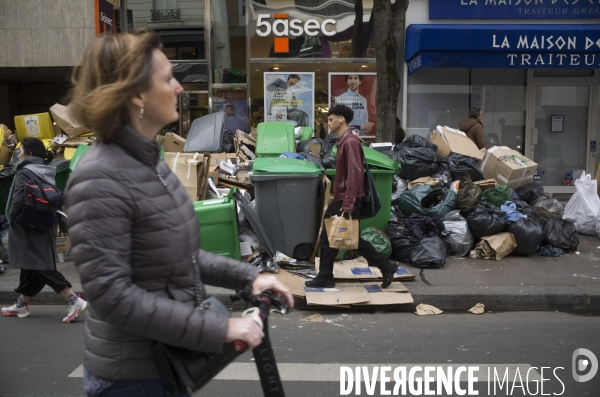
{"points": [[114, 68]]}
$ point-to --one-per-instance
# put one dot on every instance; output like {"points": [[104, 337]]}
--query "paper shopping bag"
{"points": [[342, 233], [497, 246]]}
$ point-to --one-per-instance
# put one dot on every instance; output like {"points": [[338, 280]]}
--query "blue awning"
{"points": [[503, 46]]}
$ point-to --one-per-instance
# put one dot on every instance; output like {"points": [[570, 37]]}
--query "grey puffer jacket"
{"points": [[135, 239]]}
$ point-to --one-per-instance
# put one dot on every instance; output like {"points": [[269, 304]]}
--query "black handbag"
{"points": [[183, 369], [371, 203]]}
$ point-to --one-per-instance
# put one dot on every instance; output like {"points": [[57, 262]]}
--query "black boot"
{"points": [[318, 282], [388, 273]]}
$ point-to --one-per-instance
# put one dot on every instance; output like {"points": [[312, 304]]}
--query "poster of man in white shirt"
{"points": [[357, 91], [290, 97]]}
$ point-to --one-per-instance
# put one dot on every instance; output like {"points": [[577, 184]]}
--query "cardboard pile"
{"points": [[356, 284], [211, 174]]}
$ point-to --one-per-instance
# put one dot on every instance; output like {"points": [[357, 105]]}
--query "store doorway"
{"points": [[560, 122]]}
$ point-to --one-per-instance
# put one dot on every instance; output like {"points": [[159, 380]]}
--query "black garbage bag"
{"points": [[524, 208], [513, 194], [528, 234], [430, 252], [414, 141], [313, 159], [304, 146], [531, 192], [545, 215], [400, 237], [562, 234], [461, 166], [468, 195], [328, 143], [550, 250], [227, 145], [416, 162], [485, 219], [329, 160], [457, 237], [417, 156]]}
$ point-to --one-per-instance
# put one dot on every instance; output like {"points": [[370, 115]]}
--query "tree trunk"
{"points": [[388, 17], [360, 38]]}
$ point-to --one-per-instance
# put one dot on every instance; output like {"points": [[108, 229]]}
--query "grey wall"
{"points": [[44, 32]]}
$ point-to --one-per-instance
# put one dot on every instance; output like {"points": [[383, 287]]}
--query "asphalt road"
{"points": [[40, 352]]}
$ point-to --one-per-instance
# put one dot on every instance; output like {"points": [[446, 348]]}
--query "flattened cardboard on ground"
{"points": [[341, 294], [293, 282], [358, 269], [375, 286], [387, 298], [508, 167], [173, 142], [449, 140]]}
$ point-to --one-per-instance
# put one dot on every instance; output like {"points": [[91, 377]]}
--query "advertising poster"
{"points": [[290, 97], [234, 104], [357, 91]]}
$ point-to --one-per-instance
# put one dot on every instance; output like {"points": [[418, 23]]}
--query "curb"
{"points": [[507, 298]]}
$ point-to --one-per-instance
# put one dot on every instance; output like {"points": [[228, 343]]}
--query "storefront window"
{"points": [[444, 97], [306, 102]]}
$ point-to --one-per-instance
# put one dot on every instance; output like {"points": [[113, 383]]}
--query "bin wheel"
{"points": [[303, 252]]}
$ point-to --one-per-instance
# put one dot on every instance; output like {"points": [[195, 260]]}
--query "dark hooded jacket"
{"points": [[27, 249], [474, 130], [135, 239]]}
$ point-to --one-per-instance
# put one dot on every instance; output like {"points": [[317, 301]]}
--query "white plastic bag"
{"points": [[582, 209]]}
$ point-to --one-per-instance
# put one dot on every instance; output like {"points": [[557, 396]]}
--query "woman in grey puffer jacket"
{"points": [[134, 233]]}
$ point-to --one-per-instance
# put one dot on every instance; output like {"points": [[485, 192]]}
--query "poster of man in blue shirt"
{"points": [[352, 97]]}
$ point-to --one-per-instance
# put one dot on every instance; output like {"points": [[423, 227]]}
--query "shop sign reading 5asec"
{"points": [[283, 27]]}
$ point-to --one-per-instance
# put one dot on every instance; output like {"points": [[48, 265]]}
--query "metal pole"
{"points": [[123, 16], [208, 51]]}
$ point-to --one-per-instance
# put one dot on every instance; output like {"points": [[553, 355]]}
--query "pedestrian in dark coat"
{"points": [[473, 127], [30, 251]]}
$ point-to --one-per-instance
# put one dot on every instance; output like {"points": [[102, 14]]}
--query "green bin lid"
{"points": [[376, 159], [280, 165]]}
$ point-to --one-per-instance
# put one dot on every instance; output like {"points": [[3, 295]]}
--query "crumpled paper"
{"points": [[477, 309], [425, 310]]}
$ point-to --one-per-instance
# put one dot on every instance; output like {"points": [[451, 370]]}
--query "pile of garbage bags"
{"points": [[443, 206]]}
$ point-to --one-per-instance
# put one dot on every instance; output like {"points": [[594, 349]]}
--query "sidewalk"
{"points": [[570, 282]]}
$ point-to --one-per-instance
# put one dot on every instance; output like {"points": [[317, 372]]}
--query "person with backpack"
{"points": [[33, 251]]}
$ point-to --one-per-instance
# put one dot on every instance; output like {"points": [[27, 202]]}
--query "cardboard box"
{"points": [[173, 143], [190, 169], [449, 140], [63, 119], [213, 166], [5, 154], [63, 248], [508, 167], [382, 146]]}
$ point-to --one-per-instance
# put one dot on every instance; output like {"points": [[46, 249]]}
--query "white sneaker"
{"points": [[75, 310], [14, 311]]}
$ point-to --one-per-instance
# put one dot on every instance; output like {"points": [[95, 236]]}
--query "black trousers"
{"points": [[328, 254], [33, 281]]}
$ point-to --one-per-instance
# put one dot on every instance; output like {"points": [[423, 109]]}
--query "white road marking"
{"points": [[300, 372]]}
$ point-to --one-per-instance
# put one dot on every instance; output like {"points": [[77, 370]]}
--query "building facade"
{"points": [[533, 67]]}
